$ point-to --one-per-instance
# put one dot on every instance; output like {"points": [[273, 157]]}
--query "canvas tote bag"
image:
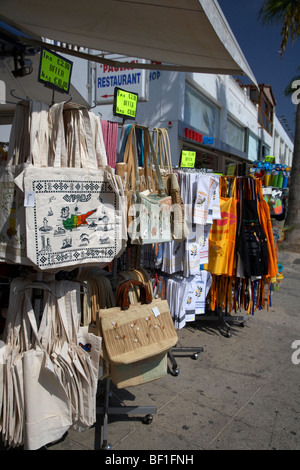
{"points": [[151, 214], [74, 216], [30, 379], [179, 226], [28, 145]]}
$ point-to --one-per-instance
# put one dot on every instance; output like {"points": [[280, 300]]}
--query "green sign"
{"points": [[125, 103], [55, 71], [188, 159]]}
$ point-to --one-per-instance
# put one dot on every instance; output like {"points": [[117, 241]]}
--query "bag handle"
{"points": [[122, 294], [157, 169]]}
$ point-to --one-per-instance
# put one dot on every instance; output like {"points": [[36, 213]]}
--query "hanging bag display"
{"points": [[179, 226], [74, 216], [28, 145], [151, 213]]}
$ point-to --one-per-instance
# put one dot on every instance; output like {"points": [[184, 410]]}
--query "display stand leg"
{"points": [[106, 410], [195, 354], [224, 319]]}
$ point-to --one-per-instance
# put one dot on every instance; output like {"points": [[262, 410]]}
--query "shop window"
{"points": [[235, 135], [200, 113], [253, 148], [265, 101]]}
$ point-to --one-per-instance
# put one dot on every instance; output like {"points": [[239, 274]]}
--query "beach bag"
{"points": [[138, 331], [30, 378], [28, 145], [251, 240], [74, 216], [222, 235], [266, 224]]}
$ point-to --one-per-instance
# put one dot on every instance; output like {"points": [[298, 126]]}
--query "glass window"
{"points": [[235, 135], [253, 148], [200, 113]]}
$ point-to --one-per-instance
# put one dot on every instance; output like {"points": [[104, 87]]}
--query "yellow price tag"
{"points": [[188, 159], [55, 71], [125, 103]]}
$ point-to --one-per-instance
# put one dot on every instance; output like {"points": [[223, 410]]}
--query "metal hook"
{"points": [[17, 97]]}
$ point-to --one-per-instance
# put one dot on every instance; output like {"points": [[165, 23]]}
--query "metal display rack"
{"points": [[106, 410], [224, 320]]}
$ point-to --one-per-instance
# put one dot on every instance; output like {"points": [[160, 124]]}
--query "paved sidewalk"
{"points": [[242, 393]]}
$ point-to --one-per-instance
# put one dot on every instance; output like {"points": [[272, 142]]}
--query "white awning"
{"points": [[189, 35]]}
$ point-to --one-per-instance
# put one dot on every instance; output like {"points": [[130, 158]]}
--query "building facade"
{"points": [[215, 115]]}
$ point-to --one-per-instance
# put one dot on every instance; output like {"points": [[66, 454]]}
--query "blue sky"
{"points": [[260, 45]]}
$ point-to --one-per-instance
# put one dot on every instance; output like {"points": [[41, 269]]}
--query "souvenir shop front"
{"points": [[107, 251]]}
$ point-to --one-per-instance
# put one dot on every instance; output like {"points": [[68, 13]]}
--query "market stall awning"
{"points": [[188, 35]]}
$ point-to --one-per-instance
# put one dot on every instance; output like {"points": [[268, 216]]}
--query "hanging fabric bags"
{"points": [[74, 216], [28, 145]]}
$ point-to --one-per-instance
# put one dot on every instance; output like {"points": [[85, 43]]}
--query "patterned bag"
{"points": [[74, 216]]}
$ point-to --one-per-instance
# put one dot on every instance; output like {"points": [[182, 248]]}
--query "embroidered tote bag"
{"points": [[74, 216]]}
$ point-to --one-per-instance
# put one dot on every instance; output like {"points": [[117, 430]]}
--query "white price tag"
{"points": [[29, 200], [156, 311]]}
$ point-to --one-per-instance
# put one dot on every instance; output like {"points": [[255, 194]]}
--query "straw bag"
{"points": [[141, 331], [28, 144], [74, 216]]}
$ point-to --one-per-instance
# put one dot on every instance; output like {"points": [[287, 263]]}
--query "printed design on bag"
{"points": [[118, 335], [76, 220], [45, 227], [86, 347], [87, 233], [194, 250], [67, 243], [46, 247], [84, 239], [153, 326], [200, 198], [225, 217], [198, 291], [59, 231]]}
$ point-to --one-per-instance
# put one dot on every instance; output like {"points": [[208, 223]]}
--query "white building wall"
{"points": [[282, 145], [165, 107]]}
